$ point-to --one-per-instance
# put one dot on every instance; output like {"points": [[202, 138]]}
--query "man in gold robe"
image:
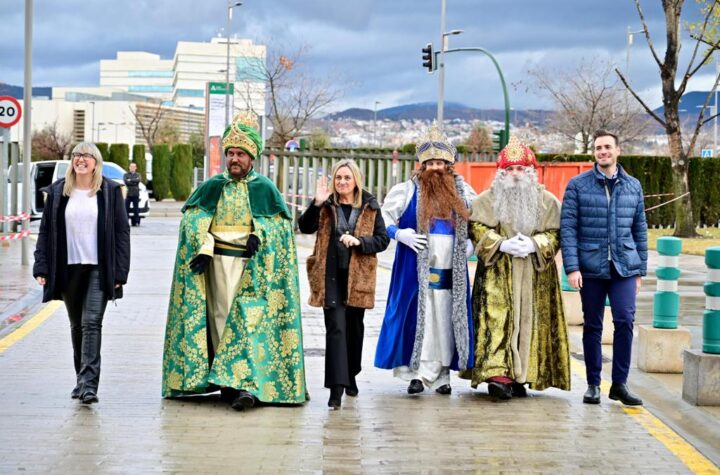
{"points": [[234, 315], [520, 332]]}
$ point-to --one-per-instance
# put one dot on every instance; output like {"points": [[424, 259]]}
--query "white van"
{"points": [[45, 173]]}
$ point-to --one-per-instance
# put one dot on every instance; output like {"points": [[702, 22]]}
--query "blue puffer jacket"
{"points": [[588, 225]]}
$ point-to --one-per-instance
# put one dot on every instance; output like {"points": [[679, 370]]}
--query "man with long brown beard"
{"points": [[518, 314], [427, 330]]}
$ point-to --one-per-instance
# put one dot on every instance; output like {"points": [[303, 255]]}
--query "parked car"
{"points": [[47, 172]]}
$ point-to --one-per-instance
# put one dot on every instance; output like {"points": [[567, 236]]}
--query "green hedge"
{"points": [[161, 171], [181, 176], [104, 150], [139, 160], [120, 154]]}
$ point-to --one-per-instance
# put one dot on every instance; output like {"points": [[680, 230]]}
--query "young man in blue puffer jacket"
{"points": [[603, 237]]}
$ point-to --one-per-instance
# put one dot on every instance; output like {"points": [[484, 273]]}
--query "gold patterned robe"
{"points": [[259, 348], [520, 329]]}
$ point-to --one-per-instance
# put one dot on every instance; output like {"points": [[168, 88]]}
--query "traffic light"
{"points": [[427, 57], [499, 140]]}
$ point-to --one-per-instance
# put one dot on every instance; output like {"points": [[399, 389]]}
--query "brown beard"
{"points": [[439, 198]]}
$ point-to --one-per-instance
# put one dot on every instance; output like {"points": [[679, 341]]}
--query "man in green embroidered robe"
{"points": [[520, 332], [234, 315]]}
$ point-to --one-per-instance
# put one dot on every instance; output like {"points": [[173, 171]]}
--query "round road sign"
{"points": [[10, 111]]}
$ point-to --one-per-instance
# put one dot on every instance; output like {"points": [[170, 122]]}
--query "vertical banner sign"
{"points": [[215, 126]]}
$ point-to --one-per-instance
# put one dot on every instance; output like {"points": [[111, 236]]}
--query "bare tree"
{"points": [[673, 89], [149, 119], [293, 95], [50, 144], [586, 98], [479, 140]]}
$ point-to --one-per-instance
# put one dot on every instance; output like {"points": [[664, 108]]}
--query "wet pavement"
{"points": [[133, 430]]}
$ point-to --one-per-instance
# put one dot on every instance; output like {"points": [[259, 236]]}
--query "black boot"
{"points": [[620, 392], [228, 394], [500, 391], [445, 389], [352, 390], [518, 390], [76, 392], [335, 400], [89, 397], [415, 387], [592, 395], [244, 400]]}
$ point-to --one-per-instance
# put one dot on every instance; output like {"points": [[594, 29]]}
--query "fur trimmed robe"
{"points": [[519, 321], [403, 329]]}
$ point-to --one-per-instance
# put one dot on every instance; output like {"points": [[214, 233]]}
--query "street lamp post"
{"points": [[230, 6], [375, 123], [92, 129], [441, 64], [630, 34]]}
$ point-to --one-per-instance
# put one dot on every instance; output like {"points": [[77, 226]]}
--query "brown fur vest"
{"points": [[362, 271]]}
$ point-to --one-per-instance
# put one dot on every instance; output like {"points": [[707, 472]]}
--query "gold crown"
{"points": [[246, 118], [235, 137], [435, 146], [514, 150]]}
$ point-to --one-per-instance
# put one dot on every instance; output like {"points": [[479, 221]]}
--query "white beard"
{"points": [[518, 204]]}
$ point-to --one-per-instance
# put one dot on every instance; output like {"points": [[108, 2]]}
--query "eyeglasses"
{"points": [[86, 156]]}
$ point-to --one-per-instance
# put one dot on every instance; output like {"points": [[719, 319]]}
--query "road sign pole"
{"points": [[4, 155], [27, 126]]}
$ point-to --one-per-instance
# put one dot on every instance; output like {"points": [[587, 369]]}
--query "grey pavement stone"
{"points": [[133, 430]]}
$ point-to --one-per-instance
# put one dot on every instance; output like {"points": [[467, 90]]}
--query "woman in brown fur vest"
{"points": [[342, 270]]}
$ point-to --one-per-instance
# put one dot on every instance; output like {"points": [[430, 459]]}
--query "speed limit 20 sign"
{"points": [[10, 111]]}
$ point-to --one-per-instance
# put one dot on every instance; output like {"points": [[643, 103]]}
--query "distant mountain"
{"points": [[428, 111], [18, 91], [690, 104]]}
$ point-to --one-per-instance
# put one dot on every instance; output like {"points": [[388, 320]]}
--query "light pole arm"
{"points": [[502, 80]]}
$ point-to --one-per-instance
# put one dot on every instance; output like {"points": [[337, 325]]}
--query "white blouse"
{"points": [[81, 215]]}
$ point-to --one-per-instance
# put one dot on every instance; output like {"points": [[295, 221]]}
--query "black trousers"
{"points": [[135, 201], [344, 333], [85, 302]]}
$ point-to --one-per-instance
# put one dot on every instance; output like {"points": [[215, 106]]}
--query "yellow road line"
{"points": [[25, 329], [686, 453]]}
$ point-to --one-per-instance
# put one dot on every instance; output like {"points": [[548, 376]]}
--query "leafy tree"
{"points": [[161, 171], [479, 140], [120, 154], [197, 142], [139, 160], [181, 176]]}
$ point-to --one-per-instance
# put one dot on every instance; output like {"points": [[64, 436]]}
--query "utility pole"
{"points": [[441, 68], [27, 127]]}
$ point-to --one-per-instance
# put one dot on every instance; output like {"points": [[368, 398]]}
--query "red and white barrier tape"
{"points": [[20, 235], [20, 217]]}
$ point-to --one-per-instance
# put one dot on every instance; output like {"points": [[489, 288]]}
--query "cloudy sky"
{"points": [[374, 45]]}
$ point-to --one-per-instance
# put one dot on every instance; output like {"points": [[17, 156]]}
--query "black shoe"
{"points": [[75, 393], [243, 401], [335, 400], [620, 392], [415, 387], [500, 391], [518, 390], [592, 395], [352, 390], [228, 394], [89, 397], [445, 389]]}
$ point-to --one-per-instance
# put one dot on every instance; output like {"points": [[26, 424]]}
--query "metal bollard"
{"points": [[666, 302], [711, 317]]}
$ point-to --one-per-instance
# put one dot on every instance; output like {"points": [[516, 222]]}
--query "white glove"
{"points": [[526, 245], [416, 242], [514, 246], [469, 248]]}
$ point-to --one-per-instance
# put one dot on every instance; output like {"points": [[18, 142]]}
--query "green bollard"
{"points": [[666, 302], [711, 317]]}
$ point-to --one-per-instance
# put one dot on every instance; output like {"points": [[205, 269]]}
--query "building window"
{"points": [[150, 88], [190, 93]]}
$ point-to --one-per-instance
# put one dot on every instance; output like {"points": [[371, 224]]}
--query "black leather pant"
{"points": [[344, 332], [85, 302]]}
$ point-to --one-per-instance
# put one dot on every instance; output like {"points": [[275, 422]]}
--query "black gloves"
{"points": [[252, 245], [200, 263]]}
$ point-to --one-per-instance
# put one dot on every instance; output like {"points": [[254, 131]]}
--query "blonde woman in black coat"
{"points": [[83, 257]]}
